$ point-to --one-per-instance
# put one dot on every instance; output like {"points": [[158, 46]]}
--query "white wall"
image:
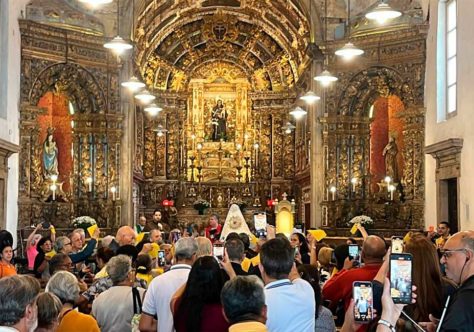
{"points": [[9, 127], [459, 126]]}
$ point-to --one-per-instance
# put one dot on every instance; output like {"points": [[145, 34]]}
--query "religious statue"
{"points": [[50, 155], [218, 120], [390, 153]]}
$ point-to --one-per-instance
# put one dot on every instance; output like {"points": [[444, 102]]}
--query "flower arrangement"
{"points": [[361, 220], [83, 222], [201, 204]]}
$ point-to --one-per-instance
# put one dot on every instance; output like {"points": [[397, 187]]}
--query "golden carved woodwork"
{"points": [[77, 66]]}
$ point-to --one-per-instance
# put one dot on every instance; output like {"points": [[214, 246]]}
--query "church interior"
{"points": [[307, 110]]}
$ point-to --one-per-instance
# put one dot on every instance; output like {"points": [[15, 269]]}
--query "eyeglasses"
{"points": [[446, 253], [67, 244]]}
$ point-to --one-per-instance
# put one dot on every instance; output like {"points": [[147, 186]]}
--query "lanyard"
{"points": [[286, 283]]}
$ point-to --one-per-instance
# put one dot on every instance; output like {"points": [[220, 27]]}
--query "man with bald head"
{"points": [[125, 235], [458, 259], [339, 287]]}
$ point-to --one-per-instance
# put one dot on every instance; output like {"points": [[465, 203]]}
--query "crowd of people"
{"points": [[143, 279]]}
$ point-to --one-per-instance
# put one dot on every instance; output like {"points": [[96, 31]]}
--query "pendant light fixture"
{"points": [[382, 13], [133, 84], [95, 3], [349, 51], [288, 128], [153, 109], [298, 112], [145, 97], [325, 77], [118, 45], [309, 97], [160, 130]]}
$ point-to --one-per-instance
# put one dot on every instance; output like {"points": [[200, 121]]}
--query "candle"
{"points": [[333, 192], [387, 180], [53, 189], [89, 182], [391, 188], [54, 178], [354, 183], [114, 191]]}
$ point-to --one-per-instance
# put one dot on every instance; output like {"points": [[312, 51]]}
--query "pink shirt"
{"points": [[31, 253]]}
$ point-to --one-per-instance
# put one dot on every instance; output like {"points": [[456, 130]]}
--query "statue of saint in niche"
{"points": [[50, 155], [219, 121], [390, 153]]}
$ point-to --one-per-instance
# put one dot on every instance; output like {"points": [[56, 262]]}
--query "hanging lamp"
{"points": [[298, 113], [382, 13], [118, 45], [288, 127], [152, 109], [349, 51], [160, 130], [145, 96], [325, 78], [95, 3]]}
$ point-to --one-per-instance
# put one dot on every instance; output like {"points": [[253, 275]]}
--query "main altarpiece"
{"points": [[226, 74]]}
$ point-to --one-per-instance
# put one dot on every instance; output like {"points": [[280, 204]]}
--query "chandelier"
{"points": [[298, 113], [153, 109], [349, 51], [382, 13], [145, 96], [118, 45]]}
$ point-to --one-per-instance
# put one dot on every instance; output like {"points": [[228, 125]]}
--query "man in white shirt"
{"points": [[290, 303], [156, 312]]}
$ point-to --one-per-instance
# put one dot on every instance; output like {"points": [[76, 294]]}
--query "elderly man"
{"points": [[64, 245], [339, 287], [290, 303], [156, 236], [18, 310], [243, 302], [78, 238], [458, 259], [156, 311], [140, 226]]}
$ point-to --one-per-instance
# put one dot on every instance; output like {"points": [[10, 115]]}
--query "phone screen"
{"points": [[218, 251], [363, 301], [353, 251], [161, 258], [401, 278], [260, 222], [397, 245]]}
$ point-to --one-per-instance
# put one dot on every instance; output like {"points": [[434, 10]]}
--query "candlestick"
{"points": [[114, 191], [354, 183], [53, 188], [391, 188], [89, 182], [387, 180]]}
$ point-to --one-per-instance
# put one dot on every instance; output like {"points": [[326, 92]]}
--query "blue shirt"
{"points": [[290, 306]]}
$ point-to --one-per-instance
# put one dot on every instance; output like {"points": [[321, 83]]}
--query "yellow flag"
{"points": [[51, 254], [354, 229], [318, 234], [140, 237], [154, 250], [92, 229]]}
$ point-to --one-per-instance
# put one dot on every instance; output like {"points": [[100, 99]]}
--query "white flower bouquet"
{"points": [[83, 222], [361, 220]]}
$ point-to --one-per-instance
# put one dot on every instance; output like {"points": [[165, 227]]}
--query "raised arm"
{"points": [[29, 240]]}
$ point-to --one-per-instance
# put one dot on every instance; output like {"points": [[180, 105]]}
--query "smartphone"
{"points": [[218, 250], [401, 278], [260, 222], [297, 251], [175, 236], [397, 245], [45, 225], [161, 258], [363, 296], [353, 251]]}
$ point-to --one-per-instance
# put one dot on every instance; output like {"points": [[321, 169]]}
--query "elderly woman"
{"points": [[65, 286], [117, 317], [49, 307]]}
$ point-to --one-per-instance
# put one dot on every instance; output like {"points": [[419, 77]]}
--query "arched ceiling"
{"points": [[265, 39]]}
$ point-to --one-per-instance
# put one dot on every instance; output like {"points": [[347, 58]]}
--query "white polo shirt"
{"points": [[159, 294], [290, 306]]}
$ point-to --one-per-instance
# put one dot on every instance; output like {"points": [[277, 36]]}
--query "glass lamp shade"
{"points": [[325, 78], [96, 2], [310, 97], [118, 45], [288, 128], [382, 13], [133, 84], [349, 51], [160, 130], [145, 97], [298, 113], [153, 109]]}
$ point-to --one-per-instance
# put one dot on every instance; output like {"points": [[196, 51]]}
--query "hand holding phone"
{"points": [[218, 250], [401, 278], [161, 258], [363, 296]]}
